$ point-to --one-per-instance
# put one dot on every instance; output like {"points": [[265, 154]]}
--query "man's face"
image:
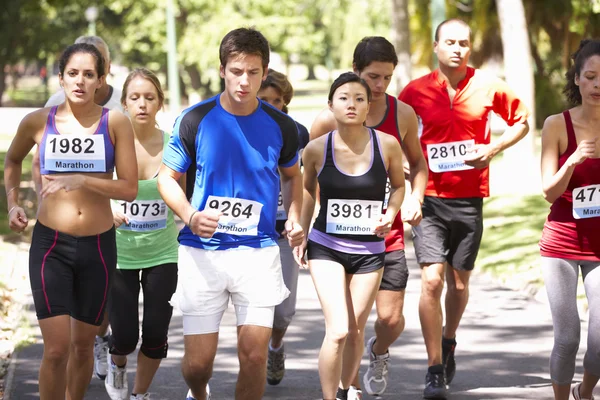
{"points": [[243, 74], [378, 76], [454, 45]]}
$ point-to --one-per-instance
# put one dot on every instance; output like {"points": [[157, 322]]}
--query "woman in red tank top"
{"points": [[571, 238]]}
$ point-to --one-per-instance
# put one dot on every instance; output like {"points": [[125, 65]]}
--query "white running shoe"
{"points": [[354, 393], [101, 357], [189, 395], [116, 382], [576, 394], [145, 396], [375, 379]]}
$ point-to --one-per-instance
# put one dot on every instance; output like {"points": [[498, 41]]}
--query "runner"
{"points": [[453, 104], [278, 92], [374, 61], [146, 249], [109, 97], [351, 165], [234, 148], [570, 240], [73, 252]]}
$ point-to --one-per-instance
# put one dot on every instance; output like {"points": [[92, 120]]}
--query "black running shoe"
{"points": [[448, 346], [435, 384]]}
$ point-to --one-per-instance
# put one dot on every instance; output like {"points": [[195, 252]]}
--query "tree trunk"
{"points": [[311, 73], [2, 82], [518, 68], [401, 41]]}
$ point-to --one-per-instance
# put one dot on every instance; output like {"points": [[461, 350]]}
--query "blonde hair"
{"points": [[149, 76], [279, 82]]}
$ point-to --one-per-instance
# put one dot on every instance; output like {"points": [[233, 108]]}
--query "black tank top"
{"points": [[334, 184]]}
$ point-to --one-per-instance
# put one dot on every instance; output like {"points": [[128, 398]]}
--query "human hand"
{"points": [[17, 220], [412, 210], [68, 182], [480, 155], [119, 218], [299, 255], [585, 149], [204, 223], [383, 226], [294, 233]]}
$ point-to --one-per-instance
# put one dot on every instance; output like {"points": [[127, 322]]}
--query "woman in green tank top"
{"points": [[146, 250]]}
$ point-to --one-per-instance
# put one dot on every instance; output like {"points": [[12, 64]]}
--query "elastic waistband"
{"points": [[44, 230], [346, 245]]}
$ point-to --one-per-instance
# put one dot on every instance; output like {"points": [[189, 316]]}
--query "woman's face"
{"points": [[350, 104], [80, 79], [142, 101], [589, 81], [271, 96]]}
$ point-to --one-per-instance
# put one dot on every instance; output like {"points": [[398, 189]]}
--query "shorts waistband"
{"points": [[43, 229]]}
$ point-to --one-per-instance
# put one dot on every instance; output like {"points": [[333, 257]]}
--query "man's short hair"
{"points": [[244, 41], [449, 21], [99, 43], [373, 48]]}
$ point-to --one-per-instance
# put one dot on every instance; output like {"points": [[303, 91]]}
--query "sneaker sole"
{"points": [[274, 382]]}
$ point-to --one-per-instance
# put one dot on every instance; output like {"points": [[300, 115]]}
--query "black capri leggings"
{"points": [[158, 284]]}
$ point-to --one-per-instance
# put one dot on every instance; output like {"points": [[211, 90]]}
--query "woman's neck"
{"points": [[145, 132], [590, 114], [353, 134]]}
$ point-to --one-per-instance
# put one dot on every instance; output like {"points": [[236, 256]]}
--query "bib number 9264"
{"points": [[239, 216]]}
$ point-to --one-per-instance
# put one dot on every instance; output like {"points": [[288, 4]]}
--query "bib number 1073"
{"points": [[586, 202]]}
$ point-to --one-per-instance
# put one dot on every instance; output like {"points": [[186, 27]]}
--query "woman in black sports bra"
{"points": [[346, 248]]}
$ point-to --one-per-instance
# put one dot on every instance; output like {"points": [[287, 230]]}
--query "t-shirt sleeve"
{"points": [[288, 155], [507, 105], [181, 151], [405, 94], [56, 99], [303, 136]]}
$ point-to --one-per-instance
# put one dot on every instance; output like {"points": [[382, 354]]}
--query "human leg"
{"points": [[591, 361], [56, 335], [81, 360]]}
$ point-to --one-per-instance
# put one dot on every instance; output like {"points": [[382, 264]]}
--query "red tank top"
{"points": [[395, 239], [564, 236]]}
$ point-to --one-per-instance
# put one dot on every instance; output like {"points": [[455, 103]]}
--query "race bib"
{"points": [[388, 189], [144, 215], [281, 214], [353, 217], [444, 157], [240, 217], [75, 153], [586, 202]]}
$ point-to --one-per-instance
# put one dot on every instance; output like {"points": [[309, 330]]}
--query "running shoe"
{"points": [[375, 379], [116, 382], [576, 394], [448, 347], [354, 393], [101, 357], [275, 366], [144, 396], [435, 384], [189, 395]]}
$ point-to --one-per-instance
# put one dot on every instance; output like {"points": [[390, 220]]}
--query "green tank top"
{"points": [[150, 239]]}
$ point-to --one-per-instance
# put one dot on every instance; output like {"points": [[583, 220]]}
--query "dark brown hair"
{"points": [[373, 48], [81, 48], [279, 82], [348, 77], [244, 41], [587, 48]]}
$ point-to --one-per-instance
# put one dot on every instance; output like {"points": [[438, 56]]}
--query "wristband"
{"points": [[8, 193], [190, 220], [11, 210]]}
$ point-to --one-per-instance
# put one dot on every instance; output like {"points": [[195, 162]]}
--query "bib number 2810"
{"points": [[238, 216]]}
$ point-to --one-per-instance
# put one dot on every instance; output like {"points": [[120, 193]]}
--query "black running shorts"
{"points": [[450, 231], [395, 271], [352, 263], [71, 275]]}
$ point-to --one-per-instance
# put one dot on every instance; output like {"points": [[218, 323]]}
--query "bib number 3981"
{"points": [[353, 217], [586, 202], [75, 153], [444, 157], [239, 216]]}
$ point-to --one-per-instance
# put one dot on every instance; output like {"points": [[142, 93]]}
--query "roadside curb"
{"points": [[10, 375]]}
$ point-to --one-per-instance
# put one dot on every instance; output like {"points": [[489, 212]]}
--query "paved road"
{"points": [[502, 352]]}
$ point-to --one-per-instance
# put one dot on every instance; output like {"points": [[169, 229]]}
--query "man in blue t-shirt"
{"points": [[234, 149]]}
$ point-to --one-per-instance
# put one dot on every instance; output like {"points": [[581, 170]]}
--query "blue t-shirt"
{"points": [[233, 157]]}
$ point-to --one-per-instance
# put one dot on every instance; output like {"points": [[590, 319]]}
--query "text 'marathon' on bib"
{"points": [[239, 216], [352, 217], [445, 157], [144, 215], [586, 202], [75, 153]]}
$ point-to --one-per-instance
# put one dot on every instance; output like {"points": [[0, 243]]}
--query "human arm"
{"points": [[555, 180], [291, 188], [395, 168], [125, 186], [324, 123], [419, 172], [22, 143]]}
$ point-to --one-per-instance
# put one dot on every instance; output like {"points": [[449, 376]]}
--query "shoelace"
{"points": [[379, 366], [278, 360], [118, 378], [436, 380]]}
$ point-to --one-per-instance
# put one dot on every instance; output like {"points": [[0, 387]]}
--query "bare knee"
{"points": [[56, 355], [458, 289], [82, 349], [337, 336], [433, 285], [253, 358], [196, 369]]}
